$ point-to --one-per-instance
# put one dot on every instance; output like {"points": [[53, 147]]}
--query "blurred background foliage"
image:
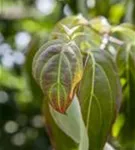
{"points": [[24, 27]]}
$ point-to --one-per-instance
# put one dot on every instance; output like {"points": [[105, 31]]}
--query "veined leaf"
{"points": [[76, 28], [58, 69], [65, 28], [36, 73], [99, 95], [126, 65]]}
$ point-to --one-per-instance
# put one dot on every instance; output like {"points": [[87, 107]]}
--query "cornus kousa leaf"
{"points": [[57, 67], [99, 94]]}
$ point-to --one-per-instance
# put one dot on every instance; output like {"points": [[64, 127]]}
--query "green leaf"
{"points": [[59, 140], [76, 28], [99, 96], [72, 124], [66, 27], [58, 68], [126, 65], [124, 33], [128, 25]]}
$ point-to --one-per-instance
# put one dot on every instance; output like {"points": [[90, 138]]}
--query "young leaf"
{"points": [[99, 95], [58, 69], [100, 24], [76, 28]]}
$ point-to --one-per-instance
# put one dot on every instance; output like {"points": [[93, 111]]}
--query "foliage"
{"points": [[99, 89], [106, 52]]}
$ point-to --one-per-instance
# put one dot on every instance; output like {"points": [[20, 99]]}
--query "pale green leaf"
{"points": [[72, 124]]}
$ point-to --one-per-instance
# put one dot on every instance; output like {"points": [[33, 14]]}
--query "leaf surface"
{"points": [[58, 69], [99, 95]]}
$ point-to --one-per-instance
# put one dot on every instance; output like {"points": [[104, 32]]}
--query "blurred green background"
{"points": [[24, 26]]}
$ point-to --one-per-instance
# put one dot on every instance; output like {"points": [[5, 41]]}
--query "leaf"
{"points": [[59, 140], [69, 123], [57, 67], [128, 25], [70, 22], [126, 65], [124, 33], [100, 24], [99, 96], [76, 28], [72, 124], [66, 27]]}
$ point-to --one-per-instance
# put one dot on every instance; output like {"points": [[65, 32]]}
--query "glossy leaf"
{"points": [[57, 67], [99, 96]]}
